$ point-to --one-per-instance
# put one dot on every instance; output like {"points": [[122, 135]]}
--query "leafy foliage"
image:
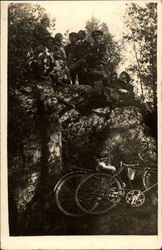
{"points": [[141, 34], [113, 49], [28, 25]]}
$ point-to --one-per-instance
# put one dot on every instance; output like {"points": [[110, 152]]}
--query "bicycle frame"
{"points": [[135, 166]]}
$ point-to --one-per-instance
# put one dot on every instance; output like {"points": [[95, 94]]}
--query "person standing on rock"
{"points": [[98, 49], [60, 72], [58, 45], [96, 72], [82, 49], [96, 57], [70, 51], [49, 44]]}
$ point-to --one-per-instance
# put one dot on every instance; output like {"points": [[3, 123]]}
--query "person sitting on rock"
{"points": [[125, 81], [122, 89], [70, 51]]}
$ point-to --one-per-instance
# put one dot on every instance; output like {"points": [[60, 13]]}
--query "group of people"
{"points": [[71, 63], [79, 62]]}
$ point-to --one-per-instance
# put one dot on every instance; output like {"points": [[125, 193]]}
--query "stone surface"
{"points": [[52, 129]]}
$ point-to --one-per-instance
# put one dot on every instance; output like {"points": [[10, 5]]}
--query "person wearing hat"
{"points": [[70, 51], [59, 73], [49, 44], [98, 48], [97, 36], [95, 59], [82, 50], [58, 40], [83, 46], [59, 47]]}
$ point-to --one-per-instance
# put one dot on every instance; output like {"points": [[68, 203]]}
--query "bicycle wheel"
{"points": [[65, 194], [150, 179], [98, 193], [150, 182]]}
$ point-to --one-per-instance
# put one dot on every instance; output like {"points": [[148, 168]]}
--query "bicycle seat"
{"points": [[108, 167]]}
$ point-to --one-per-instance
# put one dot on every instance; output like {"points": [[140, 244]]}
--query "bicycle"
{"points": [[100, 192], [83, 191], [65, 192]]}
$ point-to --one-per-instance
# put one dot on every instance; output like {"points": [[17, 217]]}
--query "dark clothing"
{"points": [[96, 33], [122, 85], [97, 53], [123, 97], [82, 50], [95, 63], [70, 51], [58, 51]]}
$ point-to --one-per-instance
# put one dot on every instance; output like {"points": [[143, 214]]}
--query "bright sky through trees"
{"points": [[73, 15]]}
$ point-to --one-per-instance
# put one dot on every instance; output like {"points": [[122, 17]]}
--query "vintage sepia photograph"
{"points": [[82, 116]]}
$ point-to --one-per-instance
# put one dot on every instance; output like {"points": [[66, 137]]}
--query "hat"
{"points": [[82, 31], [73, 34], [126, 74], [58, 36], [96, 33]]}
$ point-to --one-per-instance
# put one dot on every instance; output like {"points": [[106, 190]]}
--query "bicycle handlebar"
{"points": [[136, 166], [130, 165]]}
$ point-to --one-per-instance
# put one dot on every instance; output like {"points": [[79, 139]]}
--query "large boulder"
{"points": [[91, 129], [53, 128]]}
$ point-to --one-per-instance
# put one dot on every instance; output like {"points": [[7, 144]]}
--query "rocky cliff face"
{"points": [[97, 127], [34, 149], [53, 128]]}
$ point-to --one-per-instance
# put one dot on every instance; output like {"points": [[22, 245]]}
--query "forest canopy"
{"points": [[28, 24], [141, 33]]}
